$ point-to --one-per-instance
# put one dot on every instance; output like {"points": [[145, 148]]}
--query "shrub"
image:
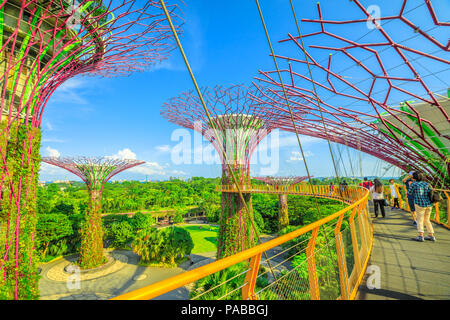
{"points": [[52, 227], [235, 275], [121, 234], [178, 217], [179, 243], [162, 245], [300, 242], [259, 221], [141, 221]]}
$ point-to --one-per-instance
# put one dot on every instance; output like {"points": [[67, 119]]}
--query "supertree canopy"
{"points": [[95, 172], [376, 83], [283, 213], [234, 132], [43, 44]]}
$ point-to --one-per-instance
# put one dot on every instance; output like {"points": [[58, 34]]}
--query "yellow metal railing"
{"points": [[441, 209], [330, 264], [444, 218], [344, 194]]}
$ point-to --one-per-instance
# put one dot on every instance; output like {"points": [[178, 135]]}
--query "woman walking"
{"points": [[394, 195], [420, 189], [378, 197]]}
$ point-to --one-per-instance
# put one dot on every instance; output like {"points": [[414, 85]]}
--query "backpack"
{"points": [[434, 196]]}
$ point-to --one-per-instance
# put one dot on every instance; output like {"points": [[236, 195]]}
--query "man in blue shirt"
{"points": [[407, 181], [420, 189]]}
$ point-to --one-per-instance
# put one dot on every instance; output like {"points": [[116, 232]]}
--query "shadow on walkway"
{"points": [[409, 270]]}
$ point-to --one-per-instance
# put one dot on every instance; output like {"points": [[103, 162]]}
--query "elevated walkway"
{"points": [[408, 269], [328, 258]]}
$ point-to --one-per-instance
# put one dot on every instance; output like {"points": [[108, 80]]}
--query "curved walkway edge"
{"points": [[409, 270]]}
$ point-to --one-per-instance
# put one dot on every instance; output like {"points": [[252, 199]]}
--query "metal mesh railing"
{"points": [[441, 209], [323, 260]]}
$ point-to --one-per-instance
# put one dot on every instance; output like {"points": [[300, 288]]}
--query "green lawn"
{"points": [[205, 240]]}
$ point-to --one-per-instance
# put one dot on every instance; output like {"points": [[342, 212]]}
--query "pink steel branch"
{"points": [[233, 113], [350, 125], [113, 39], [45, 43]]}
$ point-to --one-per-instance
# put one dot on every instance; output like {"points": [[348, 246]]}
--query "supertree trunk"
{"points": [[283, 215], [95, 172], [235, 232], [42, 45], [91, 250], [231, 127], [19, 178]]}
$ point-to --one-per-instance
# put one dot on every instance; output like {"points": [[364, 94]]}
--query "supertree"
{"points": [[43, 44], [95, 172], [381, 95], [283, 213], [234, 132]]}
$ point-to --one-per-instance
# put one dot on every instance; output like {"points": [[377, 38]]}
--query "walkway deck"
{"points": [[409, 269]]}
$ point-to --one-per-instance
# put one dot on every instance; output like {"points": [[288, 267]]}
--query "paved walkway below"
{"points": [[409, 269]]}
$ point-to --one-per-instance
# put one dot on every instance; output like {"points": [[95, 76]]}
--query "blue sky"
{"points": [[225, 44]]}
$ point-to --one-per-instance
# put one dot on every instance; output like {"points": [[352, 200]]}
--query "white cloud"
{"points": [[296, 156], [53, 152], [149, 168], [48, 169], [124, 154]]}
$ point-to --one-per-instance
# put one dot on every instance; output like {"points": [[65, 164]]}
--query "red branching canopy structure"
{"points": [[95, 172], [232, 128], [238, 130], [281, 181], [375, 84], [43, 43]]}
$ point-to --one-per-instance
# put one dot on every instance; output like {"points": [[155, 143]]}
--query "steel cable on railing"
{"points": [[213, 124], [288, 105], [220, 284]]}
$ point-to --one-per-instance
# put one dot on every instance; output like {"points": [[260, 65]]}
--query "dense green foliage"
{"points": [[210, 288], [52, 227], [132, 196], [121, 229], [167, 246], [17, 211], [162, 245], [156, 199]]}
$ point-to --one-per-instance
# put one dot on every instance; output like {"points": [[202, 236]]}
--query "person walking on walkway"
{"points": [[407, 181], [366, 183], [394, 195], [377, 192], [420, 189]]}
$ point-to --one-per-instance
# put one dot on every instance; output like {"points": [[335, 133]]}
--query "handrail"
{"points": [[437, 206], [359, 206]]}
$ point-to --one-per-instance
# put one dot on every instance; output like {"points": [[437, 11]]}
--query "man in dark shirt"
{"points": [[366, 184]]}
